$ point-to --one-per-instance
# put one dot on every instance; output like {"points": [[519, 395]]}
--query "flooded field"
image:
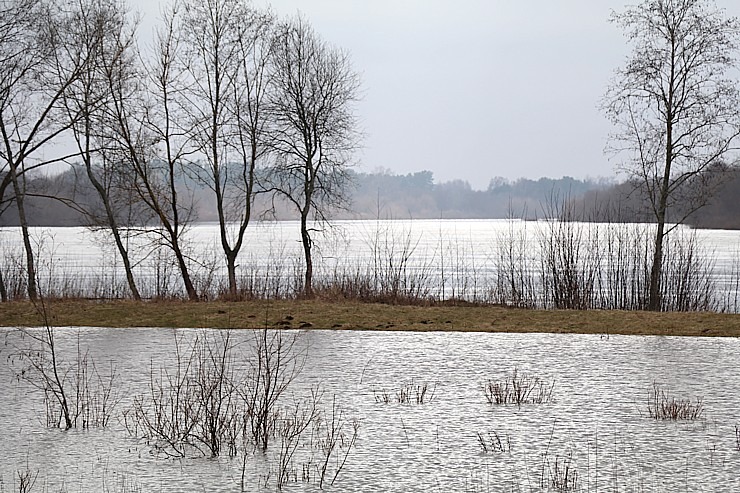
{"points": [[418, 412]]}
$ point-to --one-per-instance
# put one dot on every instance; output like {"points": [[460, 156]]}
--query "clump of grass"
{"points": [[519, 388], [413, 393], [409, 393], [662, 406], [492, 442], [26, 480], [562, 475], [382, 396]]}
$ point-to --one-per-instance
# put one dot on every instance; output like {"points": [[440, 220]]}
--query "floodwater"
{"points": [[596, 426]]}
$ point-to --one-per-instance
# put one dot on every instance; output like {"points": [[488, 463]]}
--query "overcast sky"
{"points": [[474, 89]]}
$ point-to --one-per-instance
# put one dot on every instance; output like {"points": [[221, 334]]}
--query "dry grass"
{"points": [[519, 388], [662, 406], [318, 314]]}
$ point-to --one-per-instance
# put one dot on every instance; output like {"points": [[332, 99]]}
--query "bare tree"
{"points": [[153, 135], [252, 125], [129, 129], [16, 45], [225, 52], [675, 107], [35, 71], [315, 127], [102, 31]]}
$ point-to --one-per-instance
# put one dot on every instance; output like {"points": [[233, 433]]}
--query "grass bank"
{"points": [[317, 314]]}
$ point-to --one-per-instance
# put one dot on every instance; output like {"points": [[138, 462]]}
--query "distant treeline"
{"points": [[416, 195], [53, 201]]}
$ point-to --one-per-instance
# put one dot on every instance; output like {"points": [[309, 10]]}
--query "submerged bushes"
{"points": [[221, 398], [519, 388], [76, 393], [218, 398], [662, 406]]}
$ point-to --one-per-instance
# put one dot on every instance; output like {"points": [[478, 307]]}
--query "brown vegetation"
{"points": [[318, 314]]}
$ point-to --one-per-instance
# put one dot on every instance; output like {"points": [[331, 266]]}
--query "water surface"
{"points": [[598, 417]]}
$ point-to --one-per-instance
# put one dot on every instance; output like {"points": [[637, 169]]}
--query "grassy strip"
{"points": [[368, 316]]}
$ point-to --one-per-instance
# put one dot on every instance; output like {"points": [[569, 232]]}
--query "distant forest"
{"points": [[386, 195]]}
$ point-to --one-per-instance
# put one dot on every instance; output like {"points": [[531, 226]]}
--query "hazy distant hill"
{"points": [[415, 195], [385, 195], [621, 201]]}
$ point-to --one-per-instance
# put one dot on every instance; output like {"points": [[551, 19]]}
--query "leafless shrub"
{"points": [[687, 281], [267, 280], [514, 281], [216, 393], [492, 442], [192, 407], [96, 394], [396, 270], [519, 388], [322, 453], [382, 396], [209, 405], [292, 422], [459, 271], [334, 441], [662, 406], [624, 278], [560, 475], [24, 480], [409, 393], [12, 275], [274, 362], [569, 256], [167, 414], [414, 393], [75, 393]]}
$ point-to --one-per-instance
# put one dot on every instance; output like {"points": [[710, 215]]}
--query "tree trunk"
{"points": [[3, 289], [113, 224], [656, 270], [306, 239], [231, 270], [189, 288], [30, 262], [126, 265]]}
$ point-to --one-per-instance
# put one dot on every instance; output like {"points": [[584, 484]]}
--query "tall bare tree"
{"points": [[15, 40], [315, 128], [37, 68], [156, 140], [225, 48], [252, 126], [16, 43], [104, 32], [675, 107]]}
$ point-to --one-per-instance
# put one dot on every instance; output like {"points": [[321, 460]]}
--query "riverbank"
{"points": [[317, 314]]}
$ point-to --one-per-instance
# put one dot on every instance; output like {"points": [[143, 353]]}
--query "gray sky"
{"points": [[474, 89]]}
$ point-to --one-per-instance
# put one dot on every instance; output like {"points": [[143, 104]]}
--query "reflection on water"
{"points": [[597, 425]]}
